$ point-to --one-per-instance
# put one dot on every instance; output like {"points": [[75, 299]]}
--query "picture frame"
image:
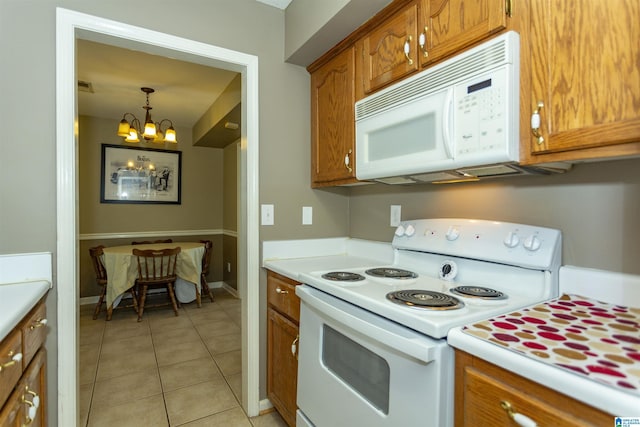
{"points": [[140, 175]]}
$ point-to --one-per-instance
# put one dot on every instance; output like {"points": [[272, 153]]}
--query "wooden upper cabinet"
{"points": [[422, 33], [389, 51], [333, 121], [584, 72], [448, 26]]}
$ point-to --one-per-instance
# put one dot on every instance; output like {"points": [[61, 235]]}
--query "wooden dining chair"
{"points": [[148, 242], [206, 261], [156, 270], [102, 281]]}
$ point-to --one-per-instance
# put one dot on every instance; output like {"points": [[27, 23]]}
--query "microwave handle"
{"points": [[446, 123]]}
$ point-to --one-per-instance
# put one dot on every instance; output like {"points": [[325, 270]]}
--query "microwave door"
{"points": [[414, 137]]}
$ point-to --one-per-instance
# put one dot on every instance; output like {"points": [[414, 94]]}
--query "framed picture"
{"points": [[140, 175]]}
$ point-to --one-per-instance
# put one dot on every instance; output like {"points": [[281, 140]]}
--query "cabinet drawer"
{"points": [[34, 331], [481, 389], [10, 370], [281, 295]]}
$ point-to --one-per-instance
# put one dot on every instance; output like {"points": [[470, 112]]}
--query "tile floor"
{"points": [[165, 370]]}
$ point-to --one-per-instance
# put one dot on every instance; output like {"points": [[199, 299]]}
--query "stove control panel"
{"points": [[509, 243]]}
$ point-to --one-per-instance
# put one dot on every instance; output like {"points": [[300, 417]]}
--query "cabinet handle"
{"points": [[15, 358], [347, 161], [422, 41], [38, 324], [521, 420], [535, 123], [281, 291], [294, 347], [33, 406], [407, 49]]}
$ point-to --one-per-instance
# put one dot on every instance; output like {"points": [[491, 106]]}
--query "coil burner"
{"points": [[343, 276], [428, 300], [478, 292], [391, 273]]}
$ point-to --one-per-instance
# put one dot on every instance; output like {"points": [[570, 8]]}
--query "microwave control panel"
{"points": [[481, 126]]}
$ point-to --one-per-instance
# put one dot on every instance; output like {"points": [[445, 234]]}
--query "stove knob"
{"points": [[532, 243], [410, 230], [400, 231], [448, 270], [452, 233], [512, 240]]}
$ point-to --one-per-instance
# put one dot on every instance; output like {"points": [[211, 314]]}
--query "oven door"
{"points": [[357, 368]]}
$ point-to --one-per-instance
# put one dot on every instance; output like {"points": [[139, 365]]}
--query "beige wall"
{"points": [[202, 186], [230, 216], [597, 207]]}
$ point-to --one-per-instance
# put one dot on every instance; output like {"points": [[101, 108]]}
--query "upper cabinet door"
{"points": [[389, 51], [585, 76], [448, 26], [333, 121]]}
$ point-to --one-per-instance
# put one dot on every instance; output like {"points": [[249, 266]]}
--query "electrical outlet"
{"points": [[396, 215], [228, 267]]}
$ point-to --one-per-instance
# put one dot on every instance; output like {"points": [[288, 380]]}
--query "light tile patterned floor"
{"points": [[166, 370]]}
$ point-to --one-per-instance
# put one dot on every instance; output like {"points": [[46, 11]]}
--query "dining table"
{"points": [[122, 269]]}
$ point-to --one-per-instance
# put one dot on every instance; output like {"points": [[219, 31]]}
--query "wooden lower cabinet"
{"points": [[485, 392], [283, 316], [23, 381], [27, 404]]}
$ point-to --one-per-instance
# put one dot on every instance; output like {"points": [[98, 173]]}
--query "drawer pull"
{"points": [[521, 420], [15, 358], [38, 324], [281, 291]]}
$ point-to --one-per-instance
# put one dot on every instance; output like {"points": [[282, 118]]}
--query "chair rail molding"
{"points": [[152, 234]]}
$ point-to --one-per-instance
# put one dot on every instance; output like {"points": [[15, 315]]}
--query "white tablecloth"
{"points": [[122, 269]]}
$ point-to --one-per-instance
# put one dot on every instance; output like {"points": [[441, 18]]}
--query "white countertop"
{"points": [[293, 257], [16, 300]]}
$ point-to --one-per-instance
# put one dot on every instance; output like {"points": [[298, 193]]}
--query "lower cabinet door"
{"points": [[282, 372], [27, 404]]}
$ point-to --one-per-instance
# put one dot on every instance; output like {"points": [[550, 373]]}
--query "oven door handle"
{"points": [[367, 326]]}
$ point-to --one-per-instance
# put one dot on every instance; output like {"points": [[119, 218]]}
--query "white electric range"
{"points": [[374, 337]]}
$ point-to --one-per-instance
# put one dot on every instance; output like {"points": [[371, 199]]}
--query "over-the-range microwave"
{"points": [[457, 120]]}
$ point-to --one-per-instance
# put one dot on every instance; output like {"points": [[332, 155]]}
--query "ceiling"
{"points": [[183, 90], [280, 4]]}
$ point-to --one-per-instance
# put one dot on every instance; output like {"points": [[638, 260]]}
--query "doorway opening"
{"points": [[73, 25]]}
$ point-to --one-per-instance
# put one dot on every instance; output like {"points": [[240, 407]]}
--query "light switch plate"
{"points": [[266, 212], [307, 215], [396, 215]]}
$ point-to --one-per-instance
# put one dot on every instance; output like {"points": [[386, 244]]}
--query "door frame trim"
{"points": [[69, 26]]}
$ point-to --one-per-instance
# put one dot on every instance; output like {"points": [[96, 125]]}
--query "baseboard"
{"points": [[213, 285], [265, 406]]}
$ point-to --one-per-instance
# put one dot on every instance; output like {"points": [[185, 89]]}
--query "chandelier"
{"points": [[151, 131]]}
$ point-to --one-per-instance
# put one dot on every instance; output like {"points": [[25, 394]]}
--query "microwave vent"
{"points": [[438, 77]]}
